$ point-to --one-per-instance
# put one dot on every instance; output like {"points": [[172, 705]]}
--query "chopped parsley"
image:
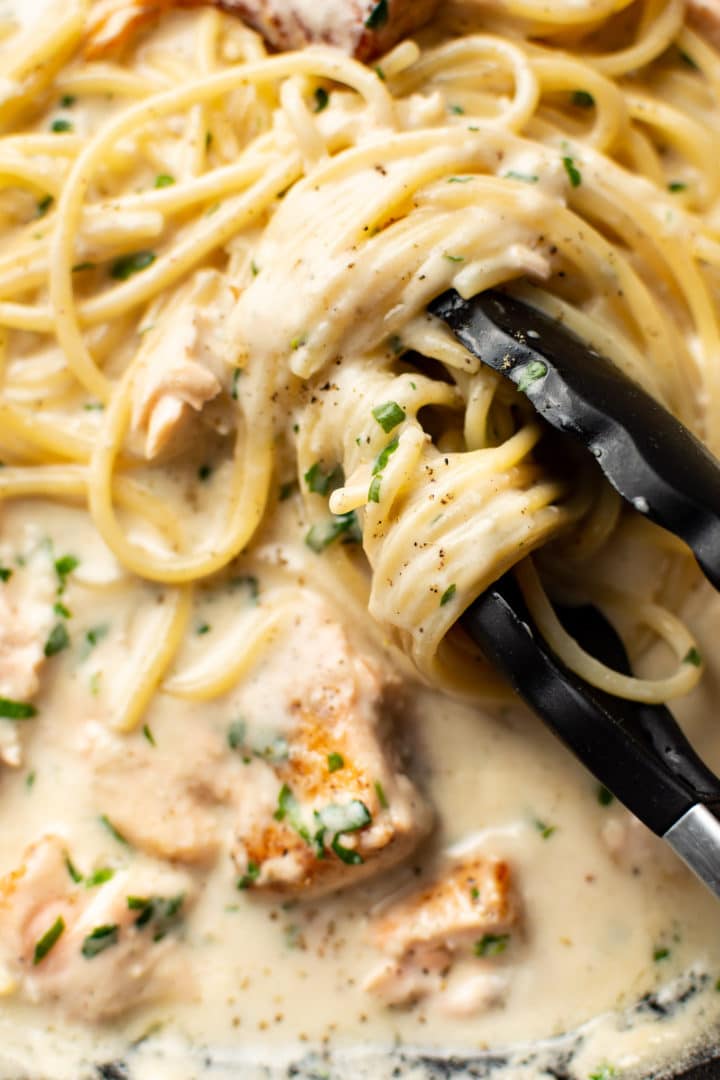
{"points": [[530, 374], [389, 415], [454, 258], [126, 265], [202, 629], [44, 205], [676, 185], [30, 779], [322, 99], [378, 16], [324, 483], [95, 635], [286, 490], [382, 797], [583, 99], [335, 761], [73, 870], [5, 573], [347, 855], [67, 101], [604, 796], [661, 953], [378, 468], [16, 710], [236, 735], [147, 732], [64, 566], [491, 944], [573, 172], [58, 640], [603, 1072], [100, 939], [250, 876], [687, 59], [526, 178], [49, 939], [374, 490], [99, 877], [115, 833], [234, 385], [546, 831], [324, 533], [164, 180], [60, 126], [78, 267], [693, 657], [249, 582], [448, 594], [158, 913], [60, 609], [298, 342], [456, 110]]}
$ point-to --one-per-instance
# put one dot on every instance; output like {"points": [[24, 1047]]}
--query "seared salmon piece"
{"points": [[334, 806], [183, 368], [99, 949], [704, 16], [362, 28], [469, 910]]}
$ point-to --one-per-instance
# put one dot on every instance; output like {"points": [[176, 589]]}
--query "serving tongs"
{"points": [[637, 751]]}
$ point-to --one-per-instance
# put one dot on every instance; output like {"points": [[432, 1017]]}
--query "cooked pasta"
{"points": [[329, 202]]}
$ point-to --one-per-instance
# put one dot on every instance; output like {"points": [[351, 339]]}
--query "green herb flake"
{"points": [[208, 139], [324, 483], [100, 939], [30, 779], [115, 833], [389, 415], [94, 406], [5, 573], [164, 180], [661, 953], [250, 876], [603, 1072], [147, 732], [687, 59], [456, 110], [378, 16], [347, 855], [67, 101], [126, 265], [583, 99], [525, 178], [95, 635], [454, 258], [158, 913], [236, 734], [298, 342], [249, 582], [474, 893], [49, 939], [530, 374], [381, 796], [573, 172], [99, 877], [374, 489], [335, 761], [234, 384], [64, 566], [60, 609], [546, 831], [44, 205], [384, 456], [491, 944], [287, 490], [324, 533], [717, 986], [202, 629], [58, 640], [73, 870], [448, 595], [676, 185], [693, 657], [16, 710], [604, 796], [322, 99], [380, 73], [60, 126], [95, 680], [79, 267], [460, 179]]}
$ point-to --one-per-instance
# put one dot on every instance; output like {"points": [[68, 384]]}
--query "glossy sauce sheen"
{"points": [[608, 915]]}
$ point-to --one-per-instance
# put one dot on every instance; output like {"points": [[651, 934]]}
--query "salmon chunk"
{"points": [[330, 804], [185, 365], [100, 944], [468, 911], [704, 16], [362, 28]]}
